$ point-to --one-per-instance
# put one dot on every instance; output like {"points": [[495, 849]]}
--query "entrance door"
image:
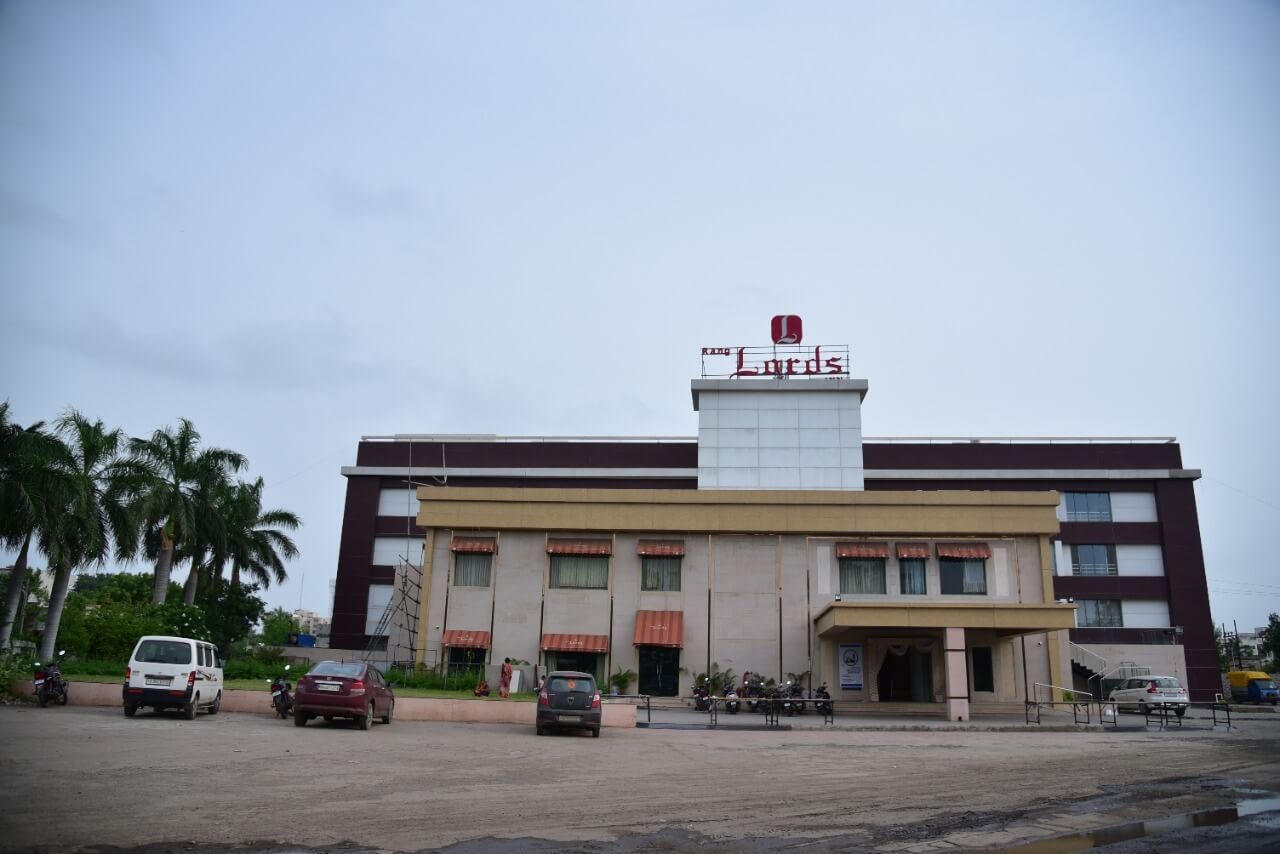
{"points": [[583, 662], [659, 670], [906, 678]]}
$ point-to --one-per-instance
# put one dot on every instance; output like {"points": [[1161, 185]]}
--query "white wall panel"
{"points": [[389, 551], [379, 599], [1133, 507], [1139, 560], [1144, 614], [398, 502]]}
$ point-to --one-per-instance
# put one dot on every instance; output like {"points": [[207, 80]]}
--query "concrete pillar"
{"points": [[957, 675]]}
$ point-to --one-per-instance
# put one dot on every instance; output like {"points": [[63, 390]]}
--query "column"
{"points": [[957, 675]]}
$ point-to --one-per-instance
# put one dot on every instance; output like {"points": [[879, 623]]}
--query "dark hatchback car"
{"points": [[341, 689], [570, 700]]}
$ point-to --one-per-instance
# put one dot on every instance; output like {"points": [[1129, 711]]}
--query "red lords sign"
{"points": [[787, 329]]}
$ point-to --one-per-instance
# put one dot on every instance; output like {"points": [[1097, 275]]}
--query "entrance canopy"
{"points": [[659, 628], [575, 643], [1005, 620], [465, 638]]}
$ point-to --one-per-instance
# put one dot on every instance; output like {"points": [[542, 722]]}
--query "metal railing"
{"points": [[1087, 657], [1079, 702]]}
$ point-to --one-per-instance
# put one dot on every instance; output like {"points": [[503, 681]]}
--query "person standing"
{"points": [[504, 681]]}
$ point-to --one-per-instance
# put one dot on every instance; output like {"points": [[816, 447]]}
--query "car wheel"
{"points": [[595, 732], [217, 704], [299, 719], [189, 710], [367, 720], [391, 708], [1142, 709], [539, 731], [130, 709]]}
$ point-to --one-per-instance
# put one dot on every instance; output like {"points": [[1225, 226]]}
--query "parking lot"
{"points": [[76, 777]]}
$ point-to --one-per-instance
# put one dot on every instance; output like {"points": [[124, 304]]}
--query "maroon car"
{"points": [[339, 689]]}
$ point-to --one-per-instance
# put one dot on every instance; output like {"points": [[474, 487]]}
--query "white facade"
{"points": [[763, 435]]}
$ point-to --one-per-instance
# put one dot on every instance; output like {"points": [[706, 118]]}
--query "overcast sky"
{"points": [[298, 223]]}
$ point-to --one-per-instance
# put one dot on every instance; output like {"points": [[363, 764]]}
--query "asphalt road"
{"points": [[85, 777]]}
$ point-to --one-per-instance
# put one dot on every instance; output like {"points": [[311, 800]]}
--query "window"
{"points": [[660, 573], [583, 572], [911, 576], [377, 604], [1088, 506], [471, 569], [1093, 560], [1099, 613], [862, 575], [163, 652], [352, 670], [984, 678], [963, 575]]}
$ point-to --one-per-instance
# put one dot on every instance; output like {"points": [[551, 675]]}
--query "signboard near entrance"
{"points": [[850, 666]]}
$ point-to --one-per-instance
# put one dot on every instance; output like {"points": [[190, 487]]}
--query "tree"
{"points": [[1269, 639], [255, 543], [27, 478], [230, 613], [169, 505], [277, 625], [88, 511]]}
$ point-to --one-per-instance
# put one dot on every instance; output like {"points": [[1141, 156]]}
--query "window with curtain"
{"points": [[861, 575], [911, 576], [963, 575], [1094, 560], [1088, 506], [584, 572], [1099, 613], [471, 569], [660, 573]]}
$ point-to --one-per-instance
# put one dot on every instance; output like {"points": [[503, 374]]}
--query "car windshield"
{"points": [[335, 668], [1167, 684], [163, 652], [560, 684], [1265, 684]]}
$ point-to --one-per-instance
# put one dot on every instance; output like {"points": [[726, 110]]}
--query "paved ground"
{"points": [[84, 777]]}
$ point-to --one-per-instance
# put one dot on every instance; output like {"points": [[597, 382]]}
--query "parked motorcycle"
{"points": [[281, 699], [731, 700], [753, 690], [822, 700], [793, 698], [49, 683], [701, 697]]}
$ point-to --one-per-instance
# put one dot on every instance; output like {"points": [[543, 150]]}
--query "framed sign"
{"points": [[851, 666]]}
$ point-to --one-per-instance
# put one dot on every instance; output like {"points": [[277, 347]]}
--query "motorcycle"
{"points": [[793, 698], [701, 697], [731, 700], [752, 689], [49, 683], [822, 700], [281, 699]]}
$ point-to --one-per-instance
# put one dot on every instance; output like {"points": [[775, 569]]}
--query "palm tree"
{"points": [[169, 505], [26, 479], [255, 543], [208, 543], [89, 511]]}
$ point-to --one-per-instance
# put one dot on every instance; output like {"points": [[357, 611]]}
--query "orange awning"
{"points": [[575, 643], [487, 545], [659, 628], [913, 550], [466, 638], [969, 551], [661, 548], [872, 550], [579, 547]]}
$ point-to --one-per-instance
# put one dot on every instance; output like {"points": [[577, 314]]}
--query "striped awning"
{"points": [[912, 550], [575, 643], [579, 547], [660, 548], [871, 550], [968, 551], [659, 628], [487, 545], [466, 638]]}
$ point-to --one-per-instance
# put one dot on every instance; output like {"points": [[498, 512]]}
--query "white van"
{"points": [[173, 673]]}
